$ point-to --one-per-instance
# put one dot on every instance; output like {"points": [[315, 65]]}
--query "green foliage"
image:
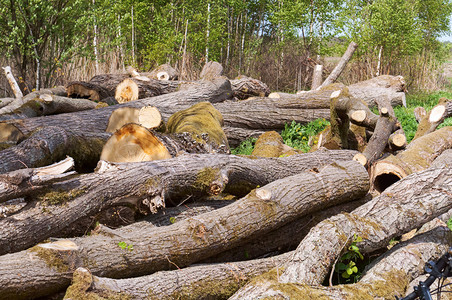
{"points": [[347, 263], [172, 220], [449, 223], [125, 246], [245, 147], [297, 135]]}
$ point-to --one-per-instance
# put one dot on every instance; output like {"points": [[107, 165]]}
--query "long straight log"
{"points": [[44, 269], [214, 281], [159, 181]]}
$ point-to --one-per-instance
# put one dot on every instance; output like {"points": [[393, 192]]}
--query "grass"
{"points": [[297, 135]]}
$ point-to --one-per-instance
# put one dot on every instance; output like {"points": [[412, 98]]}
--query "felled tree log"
{"points": [[385, 280], [98, 88], [340, 66], [5, 101], [418, 156], [345, 109], [211, 70], [419, 113], [434, 118], [385, 126], [26, 272], [244, 87], [12, 106], [215, 281], [51, 144], [47, 104], [163, 72], [96, 121], [385, 86], [408, 204], [148, 117], [159, 182], [131, 89], [317, 77], [198, 120]]}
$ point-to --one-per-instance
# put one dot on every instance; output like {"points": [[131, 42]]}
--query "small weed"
{"points": [[297, 135], [125, 246], [449, 223], [347, 264], [245, 147], [172, 220]]}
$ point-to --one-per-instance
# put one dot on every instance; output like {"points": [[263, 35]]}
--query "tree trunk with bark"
{"points": [[317, 77], [47, 104], [211, 70], [387, 278], [244, 87], [98, 88], [163, 72], [166, 181], [51, 144], [31, 272]]}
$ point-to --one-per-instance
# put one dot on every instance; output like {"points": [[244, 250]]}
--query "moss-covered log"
{"points": [[214, 281], [388, 277], [33, 272], [168, 181], [198, 120], [418, 156], [271, 144], [408, 204]]}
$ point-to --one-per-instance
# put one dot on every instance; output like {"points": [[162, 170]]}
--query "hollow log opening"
{"points": [[383, 181]]}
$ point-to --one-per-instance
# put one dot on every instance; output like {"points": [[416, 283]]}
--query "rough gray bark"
{"points": [[244, 87], [211, 70], [5, 101], [163, 72], [47, 104], [434, 118], [166, 180], [214, 281], [387, 278], [52, 144], [411, 202], [25, 273], [317, 77]]}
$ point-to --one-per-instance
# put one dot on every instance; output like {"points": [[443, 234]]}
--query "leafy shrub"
{"points": [[297, 136]]}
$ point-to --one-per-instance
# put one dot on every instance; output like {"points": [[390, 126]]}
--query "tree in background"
{"points": [[277, 41]]}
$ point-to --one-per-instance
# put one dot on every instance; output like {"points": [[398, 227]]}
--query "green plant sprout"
{"points": [[125, 246], [347, 263]]}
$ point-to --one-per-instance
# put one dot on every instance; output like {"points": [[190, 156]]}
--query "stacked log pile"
{"points": [[124, 187]]}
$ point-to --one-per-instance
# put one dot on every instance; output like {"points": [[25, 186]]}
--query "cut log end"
{"points": [[398, 140], [358, 116], [133, 143], [149, 117], [386, 174], [437, 113], [126, 91], [384, 112], [274, 95], [121, 117], [163, 75], [361, 158]]}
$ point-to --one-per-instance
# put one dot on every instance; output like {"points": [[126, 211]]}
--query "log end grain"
{"points": [[121, 117], [133, 143], [126, 91], [386, 172]]}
